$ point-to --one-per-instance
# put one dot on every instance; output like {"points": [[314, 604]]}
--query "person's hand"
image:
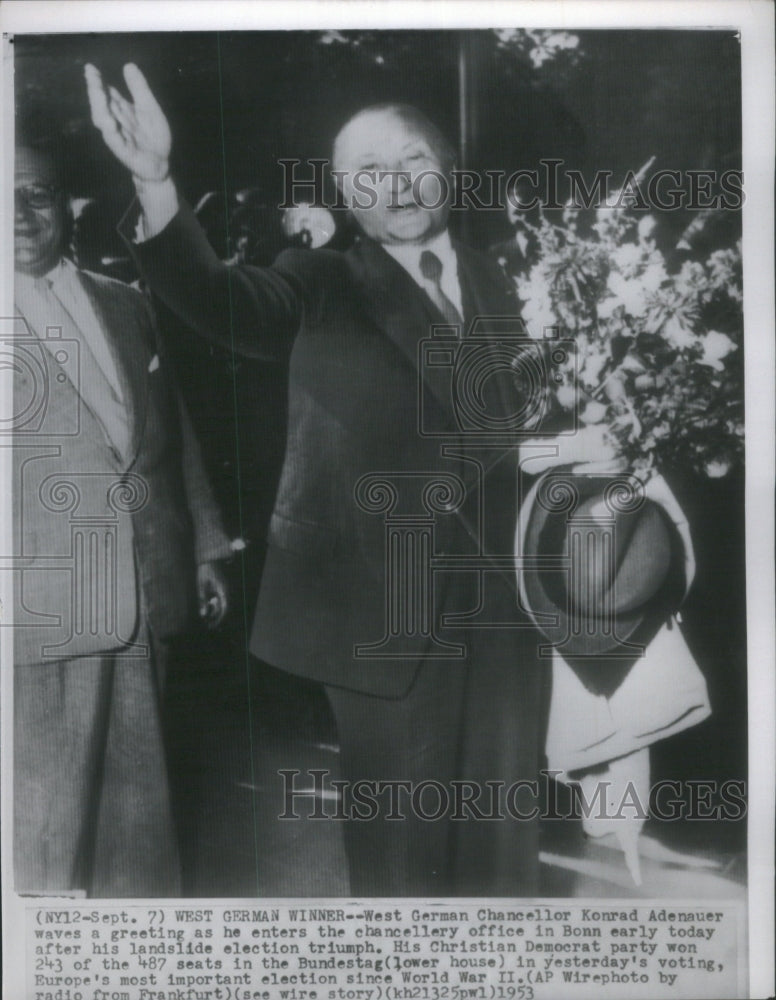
{"points": [[136, 132], [211, 593], [590, 449]]}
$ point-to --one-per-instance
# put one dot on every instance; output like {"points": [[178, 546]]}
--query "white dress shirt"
{"points": [[408, 255]]}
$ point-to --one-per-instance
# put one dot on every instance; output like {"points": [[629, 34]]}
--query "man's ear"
{"points": [[68, 222], [452, 180]]}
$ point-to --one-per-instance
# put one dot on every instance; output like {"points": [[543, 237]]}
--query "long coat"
{"points": [[390, 542], [367, 399]]}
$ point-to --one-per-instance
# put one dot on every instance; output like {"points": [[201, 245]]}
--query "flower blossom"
{"points": [[628, 292], [715, 346], [717, 468], [677, 334], [646, 226]]}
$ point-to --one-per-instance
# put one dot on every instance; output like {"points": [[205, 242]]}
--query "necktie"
{"points": [[93, 386], [431, 269]]}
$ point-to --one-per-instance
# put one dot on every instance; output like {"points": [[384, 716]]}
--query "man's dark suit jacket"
{"points": [[348, 326]]}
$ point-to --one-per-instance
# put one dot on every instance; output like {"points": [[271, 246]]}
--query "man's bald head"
{"points": [[393, 166], [388, 114]]}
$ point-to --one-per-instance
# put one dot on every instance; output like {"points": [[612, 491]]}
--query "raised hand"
{"points": [[136, 132]]}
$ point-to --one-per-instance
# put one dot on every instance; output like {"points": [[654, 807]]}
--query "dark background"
{"points": [[238, 102]]}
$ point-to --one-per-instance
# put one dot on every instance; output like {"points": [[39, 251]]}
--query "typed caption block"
{"points": [[390, 950]]}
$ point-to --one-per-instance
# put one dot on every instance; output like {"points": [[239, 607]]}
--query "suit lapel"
{"points": [[129, 353], [487, 300], [398, 306], [44, 391], [483, 291]]}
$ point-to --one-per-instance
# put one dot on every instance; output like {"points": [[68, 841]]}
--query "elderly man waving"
{"points": [[413, 627]]}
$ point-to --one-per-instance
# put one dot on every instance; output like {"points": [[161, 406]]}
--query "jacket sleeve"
{"points": [[248, 310], [210, 539]]}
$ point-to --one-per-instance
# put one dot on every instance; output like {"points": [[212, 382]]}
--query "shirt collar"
{"points": [[60, 271], [408, 255], [22, 280], [52, 277]]}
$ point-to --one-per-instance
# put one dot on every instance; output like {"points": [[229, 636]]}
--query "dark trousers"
{"points": [[477, 721], [413, 739]]}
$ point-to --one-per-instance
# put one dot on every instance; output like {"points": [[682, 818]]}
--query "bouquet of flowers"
{"points": [[659, 355]]}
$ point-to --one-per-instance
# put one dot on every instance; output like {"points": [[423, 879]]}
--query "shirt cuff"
{"points": [[212, 545], [159, 204]]}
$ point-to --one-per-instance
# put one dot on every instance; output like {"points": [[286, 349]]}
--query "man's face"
{"points": [[40, 218], [402, 207]]}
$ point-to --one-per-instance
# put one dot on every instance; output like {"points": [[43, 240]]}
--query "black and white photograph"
{"points": [[387, 442]]}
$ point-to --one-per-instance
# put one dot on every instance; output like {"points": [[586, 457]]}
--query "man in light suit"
{"points": [[429, 665], [116, 538]]}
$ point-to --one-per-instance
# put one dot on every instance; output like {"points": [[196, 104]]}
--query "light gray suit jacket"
{"points": [[99, 538]]}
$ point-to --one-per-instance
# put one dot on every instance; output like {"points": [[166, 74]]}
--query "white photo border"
{"points": [[755, 22]]}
